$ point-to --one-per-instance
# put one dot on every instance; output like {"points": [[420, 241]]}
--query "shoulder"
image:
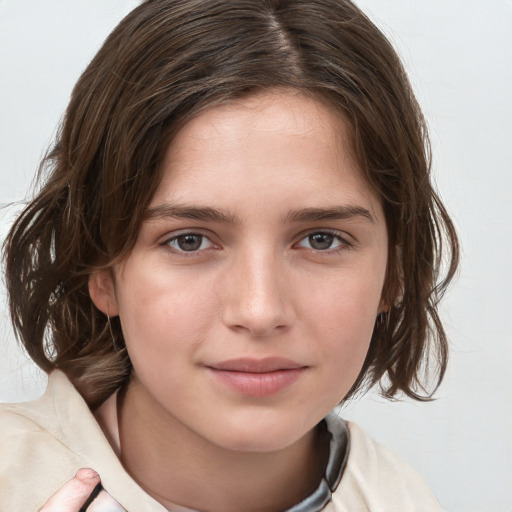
{"points": [[17, 421], [43, 415], [377, 479], [33, 452], [44, 443], [29, 438]]}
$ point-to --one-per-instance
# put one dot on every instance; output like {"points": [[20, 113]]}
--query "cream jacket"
{"points": [[44, 443]]}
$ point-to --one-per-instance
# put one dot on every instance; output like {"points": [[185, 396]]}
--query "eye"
{"points": [[323, 241], [189, 242]]}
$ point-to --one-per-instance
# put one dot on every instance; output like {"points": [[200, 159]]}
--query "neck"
{"points": [[176, 466]]}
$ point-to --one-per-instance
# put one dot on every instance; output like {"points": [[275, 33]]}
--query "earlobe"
{"points": [[386, 302], [102, 291], [392, 290]]}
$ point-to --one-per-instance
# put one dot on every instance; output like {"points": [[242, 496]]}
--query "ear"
{"points": [[102, 291], [384, 307], [392, 290]]}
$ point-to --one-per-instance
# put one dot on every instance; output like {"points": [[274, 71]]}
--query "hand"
{"points": [[74, 494]]}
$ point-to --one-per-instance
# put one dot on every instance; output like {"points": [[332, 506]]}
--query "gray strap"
{"points": [[339, 446]]}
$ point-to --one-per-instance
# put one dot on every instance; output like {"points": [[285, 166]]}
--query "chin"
{"points": [[266, 442], [259, 436]]}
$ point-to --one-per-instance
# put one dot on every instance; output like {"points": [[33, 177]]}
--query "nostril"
{"points": [[255, 298], [258, 329]]}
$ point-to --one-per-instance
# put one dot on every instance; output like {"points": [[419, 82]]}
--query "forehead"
{"points": [[278, 114], [281, 145]]}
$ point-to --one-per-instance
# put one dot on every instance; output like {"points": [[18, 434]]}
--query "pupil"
{"points": [[189, 242], [321, 241]]}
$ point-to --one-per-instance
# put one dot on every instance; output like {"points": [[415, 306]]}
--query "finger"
{"points": [[72, 495], [105, 503]]}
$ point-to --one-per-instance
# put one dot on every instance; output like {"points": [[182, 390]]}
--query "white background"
{"points": [[459, 57]]}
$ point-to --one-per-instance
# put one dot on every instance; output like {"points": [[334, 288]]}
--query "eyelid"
{"points": [[172, 234], [346, 240], [165, 241]]}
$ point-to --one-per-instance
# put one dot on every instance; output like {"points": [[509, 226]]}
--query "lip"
{"points": [[250, 365], [257, 377]]}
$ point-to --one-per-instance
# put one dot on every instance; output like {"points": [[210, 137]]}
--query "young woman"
{"points": [[235, 232]]}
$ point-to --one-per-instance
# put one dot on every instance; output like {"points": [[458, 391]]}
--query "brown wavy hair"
{"points": [[166, 62]]}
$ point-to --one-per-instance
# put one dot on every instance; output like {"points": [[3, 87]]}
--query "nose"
{"points": [[256, 295]]}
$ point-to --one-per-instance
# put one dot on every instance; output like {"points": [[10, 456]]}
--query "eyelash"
{"points": [[182, 252], [344, 244]]}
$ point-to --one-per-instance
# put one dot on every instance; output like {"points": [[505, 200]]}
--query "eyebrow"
{"points": [[206, 213], [335, 213], [189, 212]]}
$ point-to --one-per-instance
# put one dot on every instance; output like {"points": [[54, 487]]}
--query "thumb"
{"points": [[72, 495]]}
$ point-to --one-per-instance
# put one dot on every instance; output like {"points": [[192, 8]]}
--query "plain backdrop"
{"points": [[459, 57]]}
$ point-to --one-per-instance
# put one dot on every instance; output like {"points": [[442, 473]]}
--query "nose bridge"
{"points": [[255, 292]]}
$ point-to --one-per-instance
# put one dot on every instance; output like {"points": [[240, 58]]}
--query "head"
{"points": [[168, 63]]}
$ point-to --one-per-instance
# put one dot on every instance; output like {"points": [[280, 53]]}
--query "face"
{"points": [[249, 299]]}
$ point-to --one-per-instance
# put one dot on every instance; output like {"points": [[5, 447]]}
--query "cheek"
{"points": [[342, 319], [164, 314], [346, 304]]}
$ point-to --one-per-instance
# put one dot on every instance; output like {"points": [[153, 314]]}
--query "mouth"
{"points": [[257, 377]]}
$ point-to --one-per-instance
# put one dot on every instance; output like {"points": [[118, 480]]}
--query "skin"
{"points": [[73, 495], [265, 279]]}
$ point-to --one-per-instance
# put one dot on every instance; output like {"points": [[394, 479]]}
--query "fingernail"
{"points": [[86, 474]]}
